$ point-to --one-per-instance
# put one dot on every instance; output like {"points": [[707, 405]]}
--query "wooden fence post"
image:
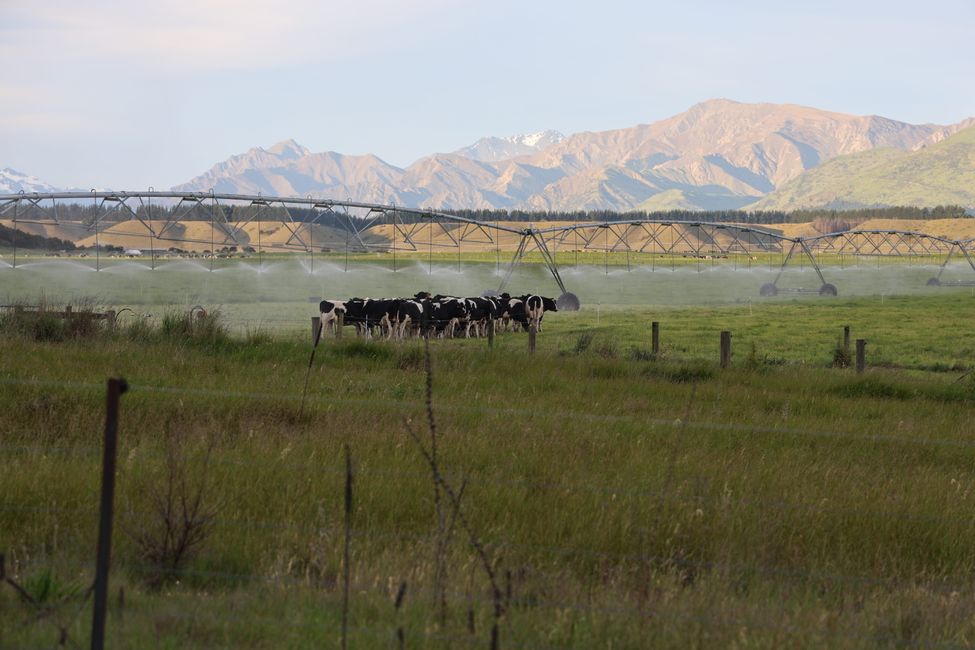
{"points": [[725, 349], [316, 322], [532, 334], [109, 452], [846, 339], [490, 332], [861, 355], [655, 338]]}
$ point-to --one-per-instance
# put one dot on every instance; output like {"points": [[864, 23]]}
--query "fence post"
{"points": [[846, 339], [725, 349], [655, 338], [532, 335], [346, 574], [861, 355], [115, 389], [490, 332], [316, 322], [339, 324]]}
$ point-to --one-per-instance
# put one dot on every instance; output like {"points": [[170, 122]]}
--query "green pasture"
{"points": [[624, 500]]}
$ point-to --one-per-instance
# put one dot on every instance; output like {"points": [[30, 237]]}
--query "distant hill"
{"points": [[719, 154], [942, 173]]}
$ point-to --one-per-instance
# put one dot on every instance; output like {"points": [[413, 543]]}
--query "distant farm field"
{"points": [[651, 501], [422, 237]]}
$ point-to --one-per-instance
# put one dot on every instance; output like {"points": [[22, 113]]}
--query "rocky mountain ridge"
{"points": [[718, 154]]}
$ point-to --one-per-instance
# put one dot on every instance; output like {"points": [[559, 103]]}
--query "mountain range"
{"points": [[14, 182], [719, 154]]}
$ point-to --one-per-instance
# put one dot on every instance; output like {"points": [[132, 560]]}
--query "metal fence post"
{"points": [[116, 387]]}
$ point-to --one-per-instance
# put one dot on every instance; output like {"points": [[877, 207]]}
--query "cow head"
{"points": [[548, 304]]}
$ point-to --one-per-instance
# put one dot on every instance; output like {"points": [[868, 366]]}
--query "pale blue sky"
{"points": [[125, 95]]}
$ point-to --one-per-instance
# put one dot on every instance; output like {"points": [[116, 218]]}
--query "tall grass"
{"points": [[619, 506]]}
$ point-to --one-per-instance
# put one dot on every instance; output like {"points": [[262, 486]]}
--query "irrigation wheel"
{"points": [[568, 301]]}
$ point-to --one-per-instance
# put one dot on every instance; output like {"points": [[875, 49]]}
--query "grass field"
{"points": [[624, 501]]}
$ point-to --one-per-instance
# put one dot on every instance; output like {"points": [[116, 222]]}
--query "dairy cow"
{"points": [[535, 308], [331, 310]]}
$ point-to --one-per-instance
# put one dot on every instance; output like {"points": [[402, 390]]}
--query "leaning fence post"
{"points": [[532, 335], [316, 322], [115, 389], [861, 355], [655, 338], [725, 349]]}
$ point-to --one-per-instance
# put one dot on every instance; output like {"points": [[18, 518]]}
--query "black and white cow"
{"points": [[446, 314], [517, 313], [366, 314], [535, 308], [479, 312], [409, 316], [331, 310]]}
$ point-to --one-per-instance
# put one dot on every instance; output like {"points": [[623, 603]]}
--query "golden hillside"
{"points": [[277, 236]]}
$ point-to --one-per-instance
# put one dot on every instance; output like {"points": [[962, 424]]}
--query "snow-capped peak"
{"points": [[538, 140], [493, 149], [14, 182]]}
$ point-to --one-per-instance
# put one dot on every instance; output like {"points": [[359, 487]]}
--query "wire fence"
{"points": [[503, 476]]}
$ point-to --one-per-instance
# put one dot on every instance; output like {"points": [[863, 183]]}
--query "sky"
{"points": [[131, 94]]}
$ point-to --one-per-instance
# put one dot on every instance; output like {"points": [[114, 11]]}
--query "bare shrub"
{"points": [[181, 516]]}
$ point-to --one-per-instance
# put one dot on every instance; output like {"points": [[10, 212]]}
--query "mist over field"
{"points": [[283, 293]]}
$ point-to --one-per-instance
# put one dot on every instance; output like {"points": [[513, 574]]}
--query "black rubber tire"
{"points": [[827, 290], [934, 282], [568, 301], [768, 289]]}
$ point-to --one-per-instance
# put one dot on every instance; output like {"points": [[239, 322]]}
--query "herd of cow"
{"points": [[426, 315]]}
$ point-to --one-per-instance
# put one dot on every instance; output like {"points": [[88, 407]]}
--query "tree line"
{"points": [[10, 238], [341, 220]]}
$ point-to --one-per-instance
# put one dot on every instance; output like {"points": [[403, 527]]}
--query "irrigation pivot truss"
{"points": [[212, 222]]}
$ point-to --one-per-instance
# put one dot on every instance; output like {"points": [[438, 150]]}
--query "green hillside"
{"points": [[941, 174]]}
